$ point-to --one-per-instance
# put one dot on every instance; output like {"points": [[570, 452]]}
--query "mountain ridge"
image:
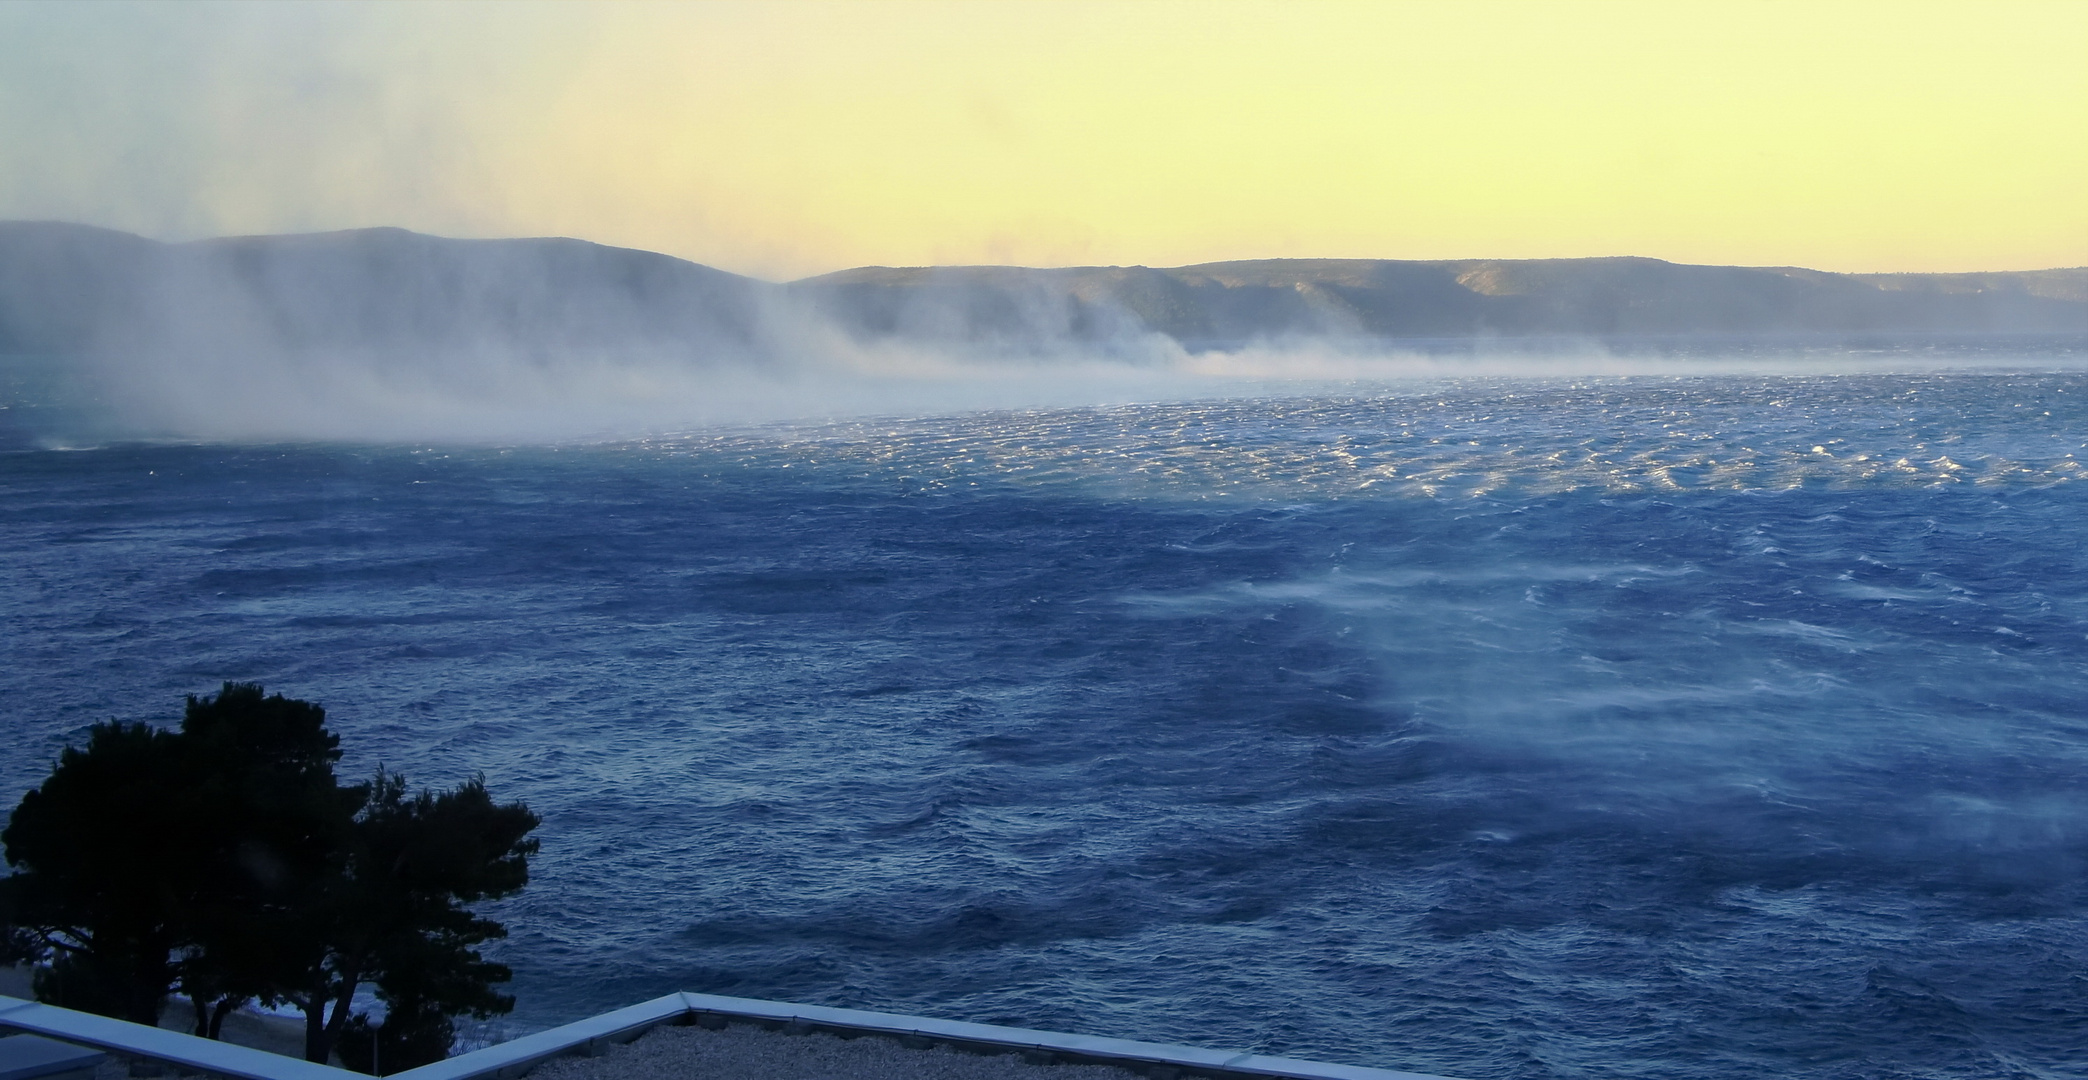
{"points": [[67, 288], [1491, 297]]}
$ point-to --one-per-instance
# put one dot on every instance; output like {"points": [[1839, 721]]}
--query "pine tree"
{"points": [[226, 861]]}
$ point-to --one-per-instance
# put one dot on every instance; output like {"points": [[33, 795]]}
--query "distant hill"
{"points": [[1230, 302], [66, 288], [72, 289]]}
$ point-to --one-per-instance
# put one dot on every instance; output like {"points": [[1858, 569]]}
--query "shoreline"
{"points": [[248, 1027]]}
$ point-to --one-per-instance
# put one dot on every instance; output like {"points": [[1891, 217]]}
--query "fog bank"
{"points": [[387, 335]]}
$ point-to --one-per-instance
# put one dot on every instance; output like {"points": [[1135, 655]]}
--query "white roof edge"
{"points": [[1026, 1038], [189, 1051], [242, 1063], [533, 1048]]}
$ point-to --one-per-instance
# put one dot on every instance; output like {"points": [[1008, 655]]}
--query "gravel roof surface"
{"points": [[747, 1052]]}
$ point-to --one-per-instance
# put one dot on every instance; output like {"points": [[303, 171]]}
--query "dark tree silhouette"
{"points": [[226, 860], [268, 825], [397, 917], [100, 889], [408, 1038]]}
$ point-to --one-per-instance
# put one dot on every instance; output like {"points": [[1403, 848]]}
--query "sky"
{"points": [[785, 139]]}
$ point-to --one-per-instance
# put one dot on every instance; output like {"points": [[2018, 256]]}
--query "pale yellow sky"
{"points": [[782, 139]]}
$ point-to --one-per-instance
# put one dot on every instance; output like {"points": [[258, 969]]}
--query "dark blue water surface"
{"points": [[1720, 727]]}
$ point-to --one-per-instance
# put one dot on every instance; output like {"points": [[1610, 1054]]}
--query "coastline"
{"points": [[247, 1027]]}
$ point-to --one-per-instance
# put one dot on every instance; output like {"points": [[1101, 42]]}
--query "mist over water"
{"points": [[383, 335], [1653, 726], [490, 396]]}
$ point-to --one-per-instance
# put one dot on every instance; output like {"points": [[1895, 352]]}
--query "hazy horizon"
{"points": [[1612, 256], [787, 140], [377, 335]]}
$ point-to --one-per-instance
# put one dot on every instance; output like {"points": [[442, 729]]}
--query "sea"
{"points": [[1661, 726]]}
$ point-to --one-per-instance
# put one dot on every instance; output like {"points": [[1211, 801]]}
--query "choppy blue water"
{"points": [[1718, 727]]}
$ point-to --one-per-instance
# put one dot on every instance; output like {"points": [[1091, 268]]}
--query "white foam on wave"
{"points": [[1478, 438]]}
